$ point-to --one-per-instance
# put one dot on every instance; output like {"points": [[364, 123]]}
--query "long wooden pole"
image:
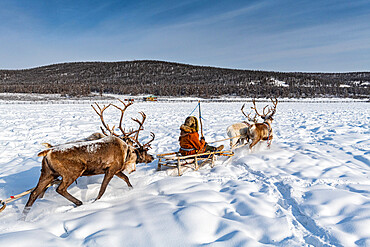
{"points": [[200, 119]]}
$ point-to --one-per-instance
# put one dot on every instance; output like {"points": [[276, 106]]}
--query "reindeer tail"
{"points": [[43, 153]]}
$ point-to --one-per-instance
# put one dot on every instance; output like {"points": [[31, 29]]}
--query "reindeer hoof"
{"points": [[26, 210]]}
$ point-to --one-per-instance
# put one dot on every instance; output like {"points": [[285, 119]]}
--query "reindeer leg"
{"points": [[108, 176], [42, 193], [53, 182], [68, 177], [269, 141], [124, 177], [62, 189], [44, 181], [254, 142]]}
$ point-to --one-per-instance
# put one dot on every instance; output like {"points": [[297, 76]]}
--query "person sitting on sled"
{"points": [[189, 139]]}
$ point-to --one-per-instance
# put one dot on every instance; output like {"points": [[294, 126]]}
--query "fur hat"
{"points": [[190, 125]]}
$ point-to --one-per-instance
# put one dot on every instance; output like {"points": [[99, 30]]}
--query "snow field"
{"points": [[310, 188]]}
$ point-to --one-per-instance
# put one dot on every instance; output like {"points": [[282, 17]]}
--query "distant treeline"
{"points": [[173, 79]]}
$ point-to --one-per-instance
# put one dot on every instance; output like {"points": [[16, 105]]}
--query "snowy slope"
{"points": [[311, 187]]}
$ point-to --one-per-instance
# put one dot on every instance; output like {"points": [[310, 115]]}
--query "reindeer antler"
{"points": [[106, 126], [135, 139], [270, 110], [120, 121], [275, 104], [255, 108], [248, 116], [100, 110], [148, 143]]}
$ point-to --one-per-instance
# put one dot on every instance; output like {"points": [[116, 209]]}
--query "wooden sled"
{"points": [[176, 160]]}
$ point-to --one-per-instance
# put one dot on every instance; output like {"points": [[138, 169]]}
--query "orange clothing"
{"points": [[191, 143]]}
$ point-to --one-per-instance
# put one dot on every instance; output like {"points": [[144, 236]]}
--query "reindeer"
{"points": [[110, 156], [262, 131], [251, 129]]}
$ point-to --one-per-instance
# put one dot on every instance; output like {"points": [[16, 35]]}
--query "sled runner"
{"points": [[195, 161]]}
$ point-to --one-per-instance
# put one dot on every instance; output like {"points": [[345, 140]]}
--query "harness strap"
{"points": [[248, 124]]}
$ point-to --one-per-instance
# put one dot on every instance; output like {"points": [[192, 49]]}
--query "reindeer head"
{"points": [[142, 150]]}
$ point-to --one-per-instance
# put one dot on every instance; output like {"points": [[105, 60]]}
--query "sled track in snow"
{"points": [[312, 233]]}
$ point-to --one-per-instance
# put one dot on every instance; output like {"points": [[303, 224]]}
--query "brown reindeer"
{"points": [[261, 131], [110, 156]]}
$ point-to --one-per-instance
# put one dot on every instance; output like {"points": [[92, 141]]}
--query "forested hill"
{"points": [[174, 79]]}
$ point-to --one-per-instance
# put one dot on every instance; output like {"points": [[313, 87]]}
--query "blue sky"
{"points": [[279, 35]]}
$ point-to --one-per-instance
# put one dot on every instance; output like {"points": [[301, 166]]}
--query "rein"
{"points": [[225, 139], [248, 124]]}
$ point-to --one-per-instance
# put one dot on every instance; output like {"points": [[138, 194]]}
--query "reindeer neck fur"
{"points": [[138, 155], [268, 122]]}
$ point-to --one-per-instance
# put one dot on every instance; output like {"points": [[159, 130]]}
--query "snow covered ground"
{"points": [[311, 187]]}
